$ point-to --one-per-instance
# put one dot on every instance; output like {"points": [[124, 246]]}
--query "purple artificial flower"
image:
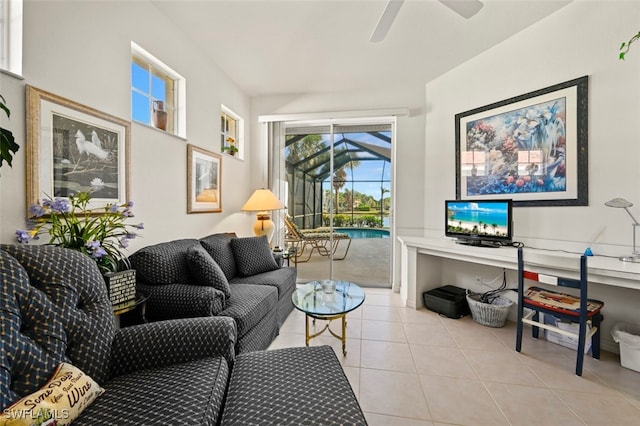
{"points": [[37, 210], [61, 205], [95, 249], [23, 236], [113, 208], [124, 241], [130, 235], [98, 253], [139, 226], [130, 204]]}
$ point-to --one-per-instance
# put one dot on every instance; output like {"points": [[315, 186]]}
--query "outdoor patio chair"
{"points": [[315, 239]]}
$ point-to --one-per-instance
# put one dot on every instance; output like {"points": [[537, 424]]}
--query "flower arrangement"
{"points": [[98, 232], [232, 148]]}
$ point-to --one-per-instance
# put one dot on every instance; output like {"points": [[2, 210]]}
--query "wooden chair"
{"points": [[576, 309]]}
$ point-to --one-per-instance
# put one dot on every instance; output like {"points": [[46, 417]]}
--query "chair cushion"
{"points": [[55, 308], [67, 393], [562, 303], [163, 263], [219, 247], [181, 394], [292, 386], [206, 271], [253, 255]]}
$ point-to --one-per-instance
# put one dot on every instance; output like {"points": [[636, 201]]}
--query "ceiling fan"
{"points": [[464, 8]]}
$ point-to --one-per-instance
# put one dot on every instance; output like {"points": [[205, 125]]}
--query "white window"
{"points": [[231, 133], [11, 36], [157, 93]]}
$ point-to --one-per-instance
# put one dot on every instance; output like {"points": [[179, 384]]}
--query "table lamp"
{"points": [[621, 203], [263, 201]]}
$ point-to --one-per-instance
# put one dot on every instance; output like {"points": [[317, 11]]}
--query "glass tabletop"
{"points": [[312, 299]]}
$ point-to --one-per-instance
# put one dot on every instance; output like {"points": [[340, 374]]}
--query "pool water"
{"points": [[357, 233]]}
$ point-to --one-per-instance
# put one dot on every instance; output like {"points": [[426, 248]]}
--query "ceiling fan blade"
{"points": [[464, 8], [387, 18]]}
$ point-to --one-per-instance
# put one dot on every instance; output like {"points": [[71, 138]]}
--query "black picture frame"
{"points": [[532, 148]]}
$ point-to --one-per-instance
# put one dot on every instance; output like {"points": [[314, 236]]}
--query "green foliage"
{"points": [[97, 232], [8, 145], [363, 209], [626, 45]]}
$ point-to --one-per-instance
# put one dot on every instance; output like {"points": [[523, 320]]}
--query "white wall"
{"points": [[81, 51], [581, 39], [409, 166]]}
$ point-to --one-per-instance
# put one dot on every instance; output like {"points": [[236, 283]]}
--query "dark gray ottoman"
{"points": [[291, 386]]}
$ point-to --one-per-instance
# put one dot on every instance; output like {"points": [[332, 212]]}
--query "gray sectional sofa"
{"points": [[218, 275], [54, 308]]}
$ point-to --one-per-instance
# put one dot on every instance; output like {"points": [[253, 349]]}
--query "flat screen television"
{"points": [[487, 222]]}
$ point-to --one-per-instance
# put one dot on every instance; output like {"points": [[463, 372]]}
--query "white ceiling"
{"points": [[300, 46]]}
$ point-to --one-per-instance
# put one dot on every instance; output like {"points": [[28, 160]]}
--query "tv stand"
{"points": [[421, 265], [478, 243]]}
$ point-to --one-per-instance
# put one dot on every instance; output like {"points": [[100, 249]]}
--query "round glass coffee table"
{"points": [[328, 300]]}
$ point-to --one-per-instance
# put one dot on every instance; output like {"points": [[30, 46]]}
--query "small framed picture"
{"points": [[204, 176]]}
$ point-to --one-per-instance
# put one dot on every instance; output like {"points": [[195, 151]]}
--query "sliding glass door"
{"points": [[337, 178]]}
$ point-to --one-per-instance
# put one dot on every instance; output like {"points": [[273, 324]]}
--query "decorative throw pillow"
{"points": [[206, 271], [253, 255], [59, 402], [219, 247]]}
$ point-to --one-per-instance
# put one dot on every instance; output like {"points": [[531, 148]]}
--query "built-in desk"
{"points": [[421, 265]]}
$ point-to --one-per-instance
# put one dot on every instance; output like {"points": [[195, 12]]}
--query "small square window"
{"points": [[231, 133], [157, 93]]}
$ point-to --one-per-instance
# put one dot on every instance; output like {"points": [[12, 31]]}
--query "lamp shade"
{"points": [[619, 203], [262, 200]]}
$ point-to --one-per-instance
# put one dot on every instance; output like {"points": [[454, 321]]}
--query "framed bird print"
{"points": [[204, 174], [531, 148], [72, 148]]}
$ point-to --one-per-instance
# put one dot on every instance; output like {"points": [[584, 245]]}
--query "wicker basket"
{"points": [[489, 314]]}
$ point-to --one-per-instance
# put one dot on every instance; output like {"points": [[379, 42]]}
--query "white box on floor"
{"points": [[561, 339], [629, 338]]}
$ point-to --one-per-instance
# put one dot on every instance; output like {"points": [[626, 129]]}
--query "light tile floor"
{"points": [[414, 367]]}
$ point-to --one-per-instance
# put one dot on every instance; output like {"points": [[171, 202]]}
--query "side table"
{"points": [[132, 312]]}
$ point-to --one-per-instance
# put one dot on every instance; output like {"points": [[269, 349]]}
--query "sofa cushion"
{"points": [[253, 255], [63, 397], [206, 271], [291, 386], [248, 304], [284, 279], [219, 247], [182, 394], [163, 263]]}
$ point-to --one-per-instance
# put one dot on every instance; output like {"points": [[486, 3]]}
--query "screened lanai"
{"points": [[360, 196]]}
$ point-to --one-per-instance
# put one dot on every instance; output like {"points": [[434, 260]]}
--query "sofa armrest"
{"points": [[164, 343], [171, 301]]}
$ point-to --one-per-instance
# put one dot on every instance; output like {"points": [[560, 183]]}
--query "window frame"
{"points": [[225, 115], [175, 91], [11, 22]]}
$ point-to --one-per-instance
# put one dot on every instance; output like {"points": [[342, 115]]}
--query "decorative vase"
{"points": [[159, 115], [121, 286]]}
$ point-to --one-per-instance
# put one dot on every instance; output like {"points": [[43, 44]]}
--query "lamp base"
{"points": [[264, 225]]}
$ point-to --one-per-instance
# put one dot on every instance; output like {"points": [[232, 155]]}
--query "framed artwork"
{"points": [[531, 148], [204, 177], [72, 148]]}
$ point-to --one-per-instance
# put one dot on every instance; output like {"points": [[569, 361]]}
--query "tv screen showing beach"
{"points": [[489, 219]]}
